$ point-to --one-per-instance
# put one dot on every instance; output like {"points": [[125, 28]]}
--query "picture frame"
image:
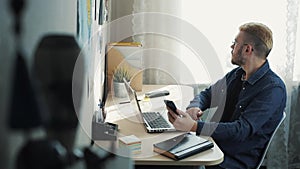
{"points": [[101, 12]]}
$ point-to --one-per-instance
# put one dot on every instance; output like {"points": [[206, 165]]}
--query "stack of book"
{"points": [[132, 143]]}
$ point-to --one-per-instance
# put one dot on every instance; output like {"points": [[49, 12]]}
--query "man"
{"points": [[250, 101]]}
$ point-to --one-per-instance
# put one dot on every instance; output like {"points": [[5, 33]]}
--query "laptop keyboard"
{"points": [[155, 120]]}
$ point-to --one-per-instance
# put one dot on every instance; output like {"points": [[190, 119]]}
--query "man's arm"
{"points": [[268, 104], [201, 100], [211, 96]]}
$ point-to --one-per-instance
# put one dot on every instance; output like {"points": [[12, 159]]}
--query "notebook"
{"points": [[154, 122], [183, 146]]}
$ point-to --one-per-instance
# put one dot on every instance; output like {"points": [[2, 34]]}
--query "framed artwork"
{"points": [[100, 13], [95, 10], [106, 10], [104, 7]]}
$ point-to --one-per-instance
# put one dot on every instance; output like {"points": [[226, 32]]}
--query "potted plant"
{"points": [[119, 86]]}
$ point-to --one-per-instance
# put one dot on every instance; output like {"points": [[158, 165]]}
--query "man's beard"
{"points": [[239, 60]]}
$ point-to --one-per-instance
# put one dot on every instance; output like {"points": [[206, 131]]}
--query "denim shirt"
{"points": [[257, 112]]}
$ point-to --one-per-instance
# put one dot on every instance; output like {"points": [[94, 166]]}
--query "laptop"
{"points": [[154, 122]]}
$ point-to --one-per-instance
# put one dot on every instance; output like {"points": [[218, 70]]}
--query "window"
{"points": [[219, 22]]}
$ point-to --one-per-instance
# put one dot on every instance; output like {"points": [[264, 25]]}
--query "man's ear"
{"points": [[249, 48]]}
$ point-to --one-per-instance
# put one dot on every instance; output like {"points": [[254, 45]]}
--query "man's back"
{"points": [[255, 117]]}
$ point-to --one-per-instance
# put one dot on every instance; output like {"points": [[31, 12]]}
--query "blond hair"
{"points": [[260, 35]]}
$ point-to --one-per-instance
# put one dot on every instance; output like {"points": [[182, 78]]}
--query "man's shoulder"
{"points": [[271, 80], [274, 78]]}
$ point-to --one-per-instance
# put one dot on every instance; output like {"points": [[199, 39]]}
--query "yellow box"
{"points": [[128, 55]]}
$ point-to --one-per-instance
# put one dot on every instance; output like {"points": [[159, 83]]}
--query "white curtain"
{"points": [[284, 151], [160, 58], [169, 59]]}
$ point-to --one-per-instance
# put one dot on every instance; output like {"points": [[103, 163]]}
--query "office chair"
{"points": [[42, 154], [267, 147], [54, 62]]}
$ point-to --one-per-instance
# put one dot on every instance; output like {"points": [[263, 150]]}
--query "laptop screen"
{"points": [[132, 97], [151, 117]]}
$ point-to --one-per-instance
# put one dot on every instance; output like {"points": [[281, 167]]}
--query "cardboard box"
{"points": [[128, 55]]}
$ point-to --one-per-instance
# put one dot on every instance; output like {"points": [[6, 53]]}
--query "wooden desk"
{"points": [[129, 124]]}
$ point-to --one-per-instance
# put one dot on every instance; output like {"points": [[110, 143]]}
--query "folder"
{"points": [[183, 146]]}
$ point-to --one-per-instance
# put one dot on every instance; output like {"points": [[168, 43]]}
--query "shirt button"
{"points": [[244, 88], [240, 107]]}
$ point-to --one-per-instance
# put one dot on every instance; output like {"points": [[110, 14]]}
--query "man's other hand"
{"points": [[195, 113]]}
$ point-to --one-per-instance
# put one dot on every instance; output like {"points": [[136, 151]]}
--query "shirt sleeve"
{"points": [[202, 100], [268, 104], [211, 97]]}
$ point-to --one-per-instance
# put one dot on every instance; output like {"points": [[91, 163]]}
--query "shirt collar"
{"points": [[257, 75]]}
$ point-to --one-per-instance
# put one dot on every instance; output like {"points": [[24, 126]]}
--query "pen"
{"points": [[126, 102]]}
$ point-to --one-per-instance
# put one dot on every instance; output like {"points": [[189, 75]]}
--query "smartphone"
{"points": [[171, 105]]}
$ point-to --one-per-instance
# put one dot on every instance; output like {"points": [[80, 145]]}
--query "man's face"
{"points": [[237, 54]]}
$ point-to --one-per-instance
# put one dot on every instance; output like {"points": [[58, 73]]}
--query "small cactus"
{"points": [[120, 73]]}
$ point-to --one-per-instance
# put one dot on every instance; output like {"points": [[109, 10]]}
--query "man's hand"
{"points": [[195, 113], [184, 122]]}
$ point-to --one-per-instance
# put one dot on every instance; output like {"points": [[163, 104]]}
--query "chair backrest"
{"points": [[267, 147], [59, 71]]}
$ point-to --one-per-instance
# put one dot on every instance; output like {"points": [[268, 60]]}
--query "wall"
{"points": [[39, 18], [119, 9]]}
